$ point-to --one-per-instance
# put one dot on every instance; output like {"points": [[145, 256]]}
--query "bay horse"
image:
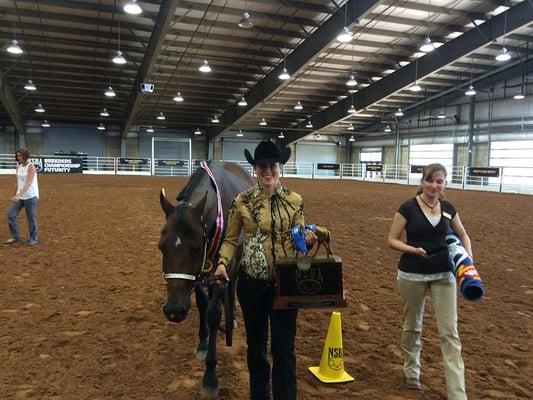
{"points": [[189, 244]]}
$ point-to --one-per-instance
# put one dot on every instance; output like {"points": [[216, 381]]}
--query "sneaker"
{"points": [[413, 383], [11, 241], [31, 242]]}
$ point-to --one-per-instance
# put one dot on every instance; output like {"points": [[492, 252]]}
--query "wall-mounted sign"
{"points": [[417, 169], [170, 163], [134, 161], [484, 171], [374, 167], [58, 165], [331, 167]]}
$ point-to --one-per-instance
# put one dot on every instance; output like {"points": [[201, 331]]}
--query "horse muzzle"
{"points": [[174, 312]]}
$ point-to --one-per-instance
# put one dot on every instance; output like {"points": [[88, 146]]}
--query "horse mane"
{"points": [[194, 181]]}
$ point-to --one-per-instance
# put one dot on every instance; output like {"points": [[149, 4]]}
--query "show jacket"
{"points": [[262, 221]]}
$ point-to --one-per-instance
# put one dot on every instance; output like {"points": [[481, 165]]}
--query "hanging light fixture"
{"points": [[399, 113], [284, 75], [298, 106], [242, 102], [39, 108], [415, 87], [263, 122], [161, 116], [281, 135], [131, 7], [387, 129], [110, 92], [317, 136], [352, 109], [503, 55], [470, 91], [246, 21], [45, 124], [104, 112], [352, 139], [351, 81], [519, 96], [345, 35], [309, 124], [30, 86], [427, 46], [119, 58], [215, 119], [101, 127], [350, 127], [197, 131], [239, 134], [14, 48], [150, 129], [204, 67], [178, 97], [441, 115]]}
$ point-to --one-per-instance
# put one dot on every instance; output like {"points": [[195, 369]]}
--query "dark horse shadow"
{"points": [[189, 243]]}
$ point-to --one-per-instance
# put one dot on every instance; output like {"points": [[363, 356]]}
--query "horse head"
{"points": [[183, 246]]}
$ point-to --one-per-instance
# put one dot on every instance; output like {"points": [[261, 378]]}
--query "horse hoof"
{"points": [[209, 393], [201, 354]]}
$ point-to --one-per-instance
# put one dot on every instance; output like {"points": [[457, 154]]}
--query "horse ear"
{"points": [[199, 209], [165, 204]]}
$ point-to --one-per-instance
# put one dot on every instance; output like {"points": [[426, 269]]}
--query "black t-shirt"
{"points": [[420, 233]]}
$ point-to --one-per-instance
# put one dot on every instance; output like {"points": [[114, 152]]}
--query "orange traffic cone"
{"points": [[331, 368]]}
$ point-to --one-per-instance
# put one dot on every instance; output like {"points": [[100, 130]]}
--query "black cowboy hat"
{"points": [[268, 152]]}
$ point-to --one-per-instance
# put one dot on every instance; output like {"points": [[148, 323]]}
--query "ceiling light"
{"points": [[197, 131], [110, 92], [178, 97], [298, 106], [131, 7], [427, 46], [119, 58], [150, 129], [161, 116], [215, 119], [101, 127], [309, 124], [45, 124], [352, 109], [239, 134], [353, 91], [30, 86], [415, 87], [263, 122], [442, 115], [246, 21], [281, 135], [14, 48], [104, 112], [352, 139], [345, 36], [204, 67], [399, 113], [351, 81], [284, 75], [470, 91], [39, 109], [519, 96], [503, 55], [387, 129], [350, 127], [242, 102]]}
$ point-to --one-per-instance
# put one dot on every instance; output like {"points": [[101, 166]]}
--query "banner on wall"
{"points": [[58, 165], [373, 167], [417, 169], [328, 166], [134, 161], [484, 171], [170, 163]]}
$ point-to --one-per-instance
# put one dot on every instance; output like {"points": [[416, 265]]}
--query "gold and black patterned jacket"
{"points": [[262, 221]]}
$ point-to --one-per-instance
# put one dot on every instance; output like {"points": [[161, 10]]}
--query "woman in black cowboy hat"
{"points": [[263, 212]]}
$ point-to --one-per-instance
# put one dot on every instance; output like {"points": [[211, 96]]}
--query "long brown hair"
{"points": [[24, 152], [428, 172]]}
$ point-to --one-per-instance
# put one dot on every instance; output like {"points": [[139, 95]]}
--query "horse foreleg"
{"points": [[202, 301], [210, 386]]}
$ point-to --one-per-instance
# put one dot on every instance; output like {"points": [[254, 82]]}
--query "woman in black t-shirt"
{"points": [[424, 268]]}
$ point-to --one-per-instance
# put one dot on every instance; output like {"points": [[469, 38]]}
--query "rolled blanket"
{"points": [[466, 274]]}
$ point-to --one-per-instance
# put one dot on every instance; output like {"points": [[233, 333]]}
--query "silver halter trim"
{"points": [[173, 275]]}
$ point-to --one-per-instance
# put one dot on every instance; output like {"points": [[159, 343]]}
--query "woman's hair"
{"points": [[24, 152], [428, 172]]}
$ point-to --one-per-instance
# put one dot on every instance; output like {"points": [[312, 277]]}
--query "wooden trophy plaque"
{"points": [[318, 287]]}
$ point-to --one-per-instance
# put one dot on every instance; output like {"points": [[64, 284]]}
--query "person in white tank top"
{"points": [[26, 196]]}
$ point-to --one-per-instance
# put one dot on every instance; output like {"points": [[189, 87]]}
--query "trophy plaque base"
{"points": [[317, 287]]}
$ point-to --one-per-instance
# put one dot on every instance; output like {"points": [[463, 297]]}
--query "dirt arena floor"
{"points": [[81, 317]]}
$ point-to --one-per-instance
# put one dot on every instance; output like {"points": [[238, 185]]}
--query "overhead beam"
{"points": [[296, 61], [162, 26], [517, 16], [10, 105]]}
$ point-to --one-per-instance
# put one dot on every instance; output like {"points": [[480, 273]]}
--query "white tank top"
{"points": [[22, 174]]}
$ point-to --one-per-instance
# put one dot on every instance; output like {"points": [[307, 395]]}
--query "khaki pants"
{"points": [[444, 300]]}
